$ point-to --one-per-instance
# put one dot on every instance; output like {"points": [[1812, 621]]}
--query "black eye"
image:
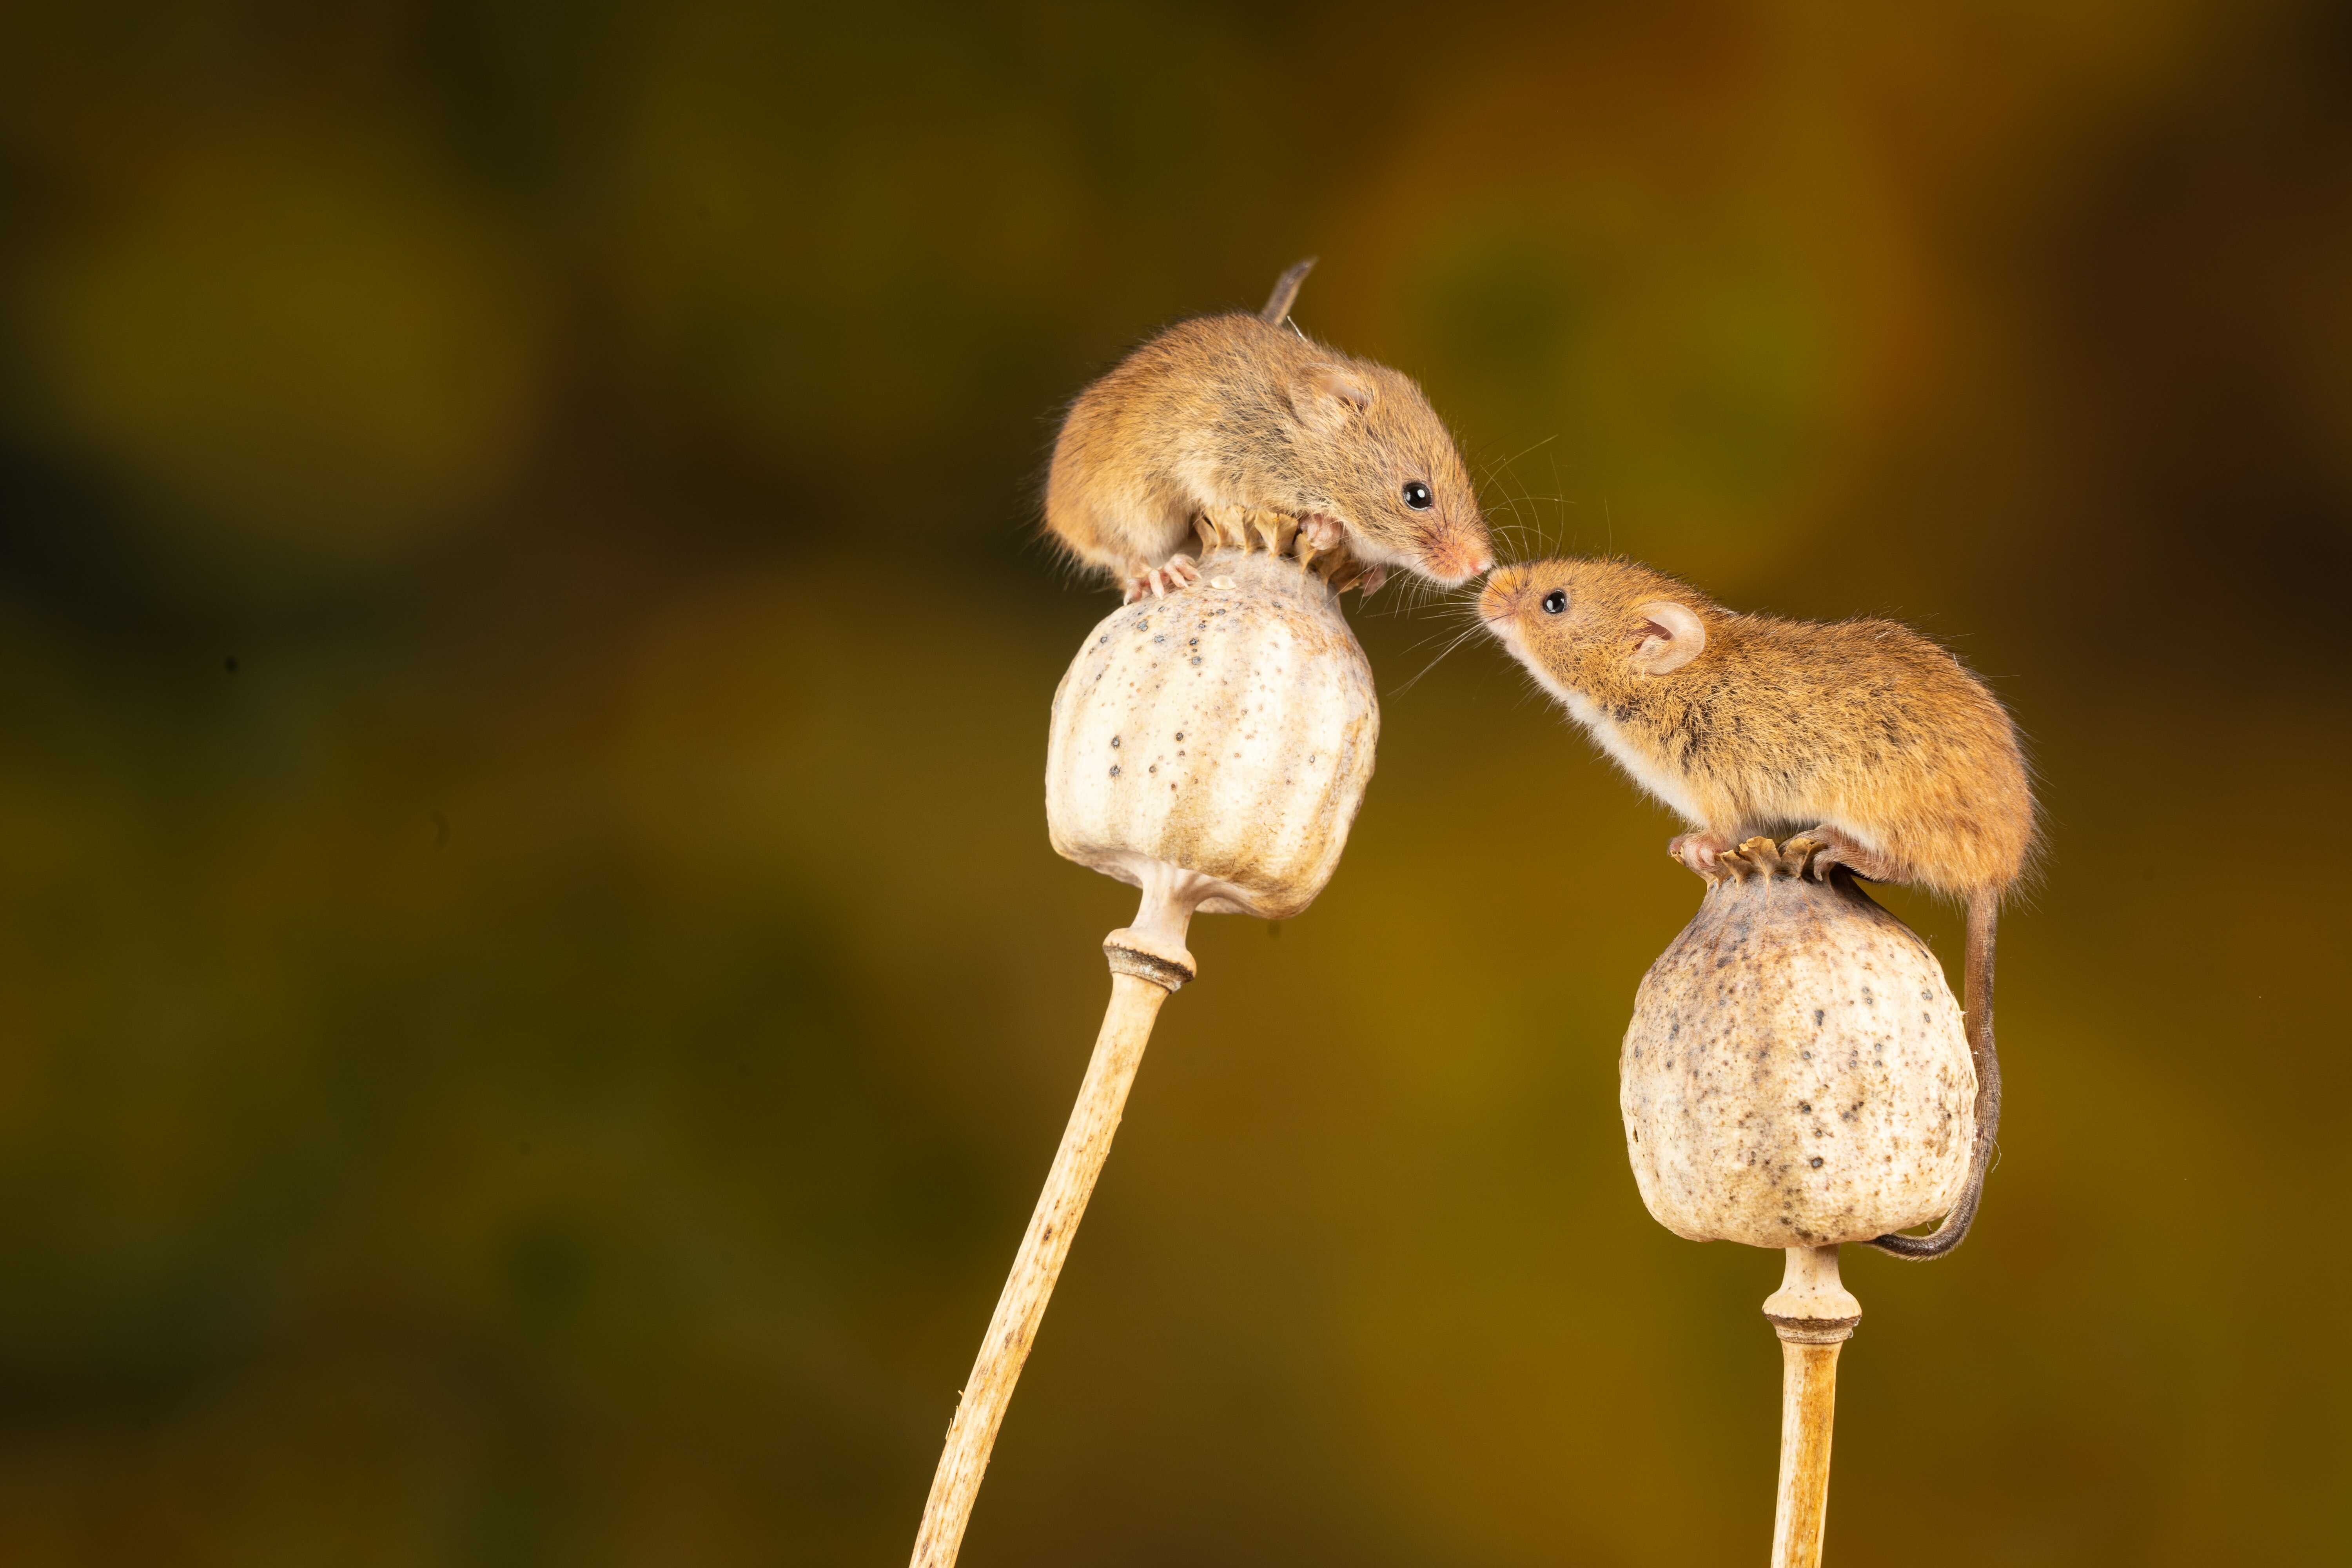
{"points": [[1417, 496], [1555, 602]]}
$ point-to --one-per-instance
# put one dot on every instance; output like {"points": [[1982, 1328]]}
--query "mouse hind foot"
{"points": [[1839, 849]]}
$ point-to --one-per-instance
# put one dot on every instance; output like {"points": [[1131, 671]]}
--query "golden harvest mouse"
{"points": [[1240, 410], [1862, 735]]}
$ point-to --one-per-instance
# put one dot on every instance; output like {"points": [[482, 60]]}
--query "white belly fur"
{"points": [[1641, 769]]}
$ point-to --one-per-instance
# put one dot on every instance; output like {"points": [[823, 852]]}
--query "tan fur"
{"points": [[1226, 411], [1779, 725]]}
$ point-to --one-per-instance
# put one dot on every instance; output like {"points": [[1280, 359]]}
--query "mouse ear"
{"points": [[1667, 636], [1326, 396]]}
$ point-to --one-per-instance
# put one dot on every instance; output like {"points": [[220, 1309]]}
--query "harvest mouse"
{"points": [[1238, 410], [1862, 735]]}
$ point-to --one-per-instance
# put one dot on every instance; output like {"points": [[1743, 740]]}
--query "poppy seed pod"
{"points": [[1227, 730], [1796, 1073]]}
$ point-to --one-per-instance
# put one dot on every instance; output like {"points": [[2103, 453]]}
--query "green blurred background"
{"points": [[536, 998]]}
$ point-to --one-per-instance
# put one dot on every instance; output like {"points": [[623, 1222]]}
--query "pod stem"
{"points": [[1148, 961], [1814, 1316]]}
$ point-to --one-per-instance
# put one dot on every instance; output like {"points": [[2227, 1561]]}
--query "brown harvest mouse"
{"points": [[1240, 410], [1861, 734]]}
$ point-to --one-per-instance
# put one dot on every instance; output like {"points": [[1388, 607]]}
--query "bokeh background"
{"points": [[534, 999]]}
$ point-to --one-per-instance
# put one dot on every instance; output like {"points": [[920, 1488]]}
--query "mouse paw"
{"points": [[1322, 531], [1178, 574], [1371, 582], [1838, 849], [1698, 851]]}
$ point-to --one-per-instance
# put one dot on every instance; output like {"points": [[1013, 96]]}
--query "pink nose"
{"points": [[1496, 599], [1461, 561]]}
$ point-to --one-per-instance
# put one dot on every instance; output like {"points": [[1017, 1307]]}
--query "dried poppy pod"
{"points": [[1210, 747], [1227, 731], [1797, 1075]]}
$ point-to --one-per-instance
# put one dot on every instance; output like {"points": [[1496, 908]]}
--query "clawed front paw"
{"points": [[1180, 574], [1321, 532]]}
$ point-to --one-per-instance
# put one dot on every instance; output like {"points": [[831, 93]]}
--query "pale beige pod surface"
{"points": [[1228, 730], [1796, 1073]]}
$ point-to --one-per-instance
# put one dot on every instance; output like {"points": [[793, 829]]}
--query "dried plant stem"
{"points": [[1808, 1407], [1814, 1316], [1148, 961]]}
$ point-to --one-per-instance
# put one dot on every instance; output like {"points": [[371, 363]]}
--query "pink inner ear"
{"points": [[1652, 629], [1333, 381]]}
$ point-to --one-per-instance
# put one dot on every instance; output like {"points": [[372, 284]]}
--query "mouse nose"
{"points": [[1498, 599], [1460, 560]]}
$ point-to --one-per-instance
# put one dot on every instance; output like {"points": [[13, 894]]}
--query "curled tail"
{"points": [[1285, 292], [1984, 914]]}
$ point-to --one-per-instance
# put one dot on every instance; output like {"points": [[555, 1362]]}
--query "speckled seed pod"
{"points": [[1796, 1073], [1226, 730]]}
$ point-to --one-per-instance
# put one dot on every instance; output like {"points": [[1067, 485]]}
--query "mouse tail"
{"points": [[1285, 292], [1984, 915]]}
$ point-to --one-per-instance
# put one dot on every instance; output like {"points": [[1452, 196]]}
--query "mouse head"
{"points": [[1597, 629], [1370, 442]]}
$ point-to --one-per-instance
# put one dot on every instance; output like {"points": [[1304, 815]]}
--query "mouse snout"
{"points": [[1458, 557], [1499, 600]]}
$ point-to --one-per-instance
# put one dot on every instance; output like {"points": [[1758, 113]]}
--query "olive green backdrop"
{"points": [[534, 998]]}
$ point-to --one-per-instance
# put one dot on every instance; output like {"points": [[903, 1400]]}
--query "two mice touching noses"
{"points": [[1861, 735]]}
